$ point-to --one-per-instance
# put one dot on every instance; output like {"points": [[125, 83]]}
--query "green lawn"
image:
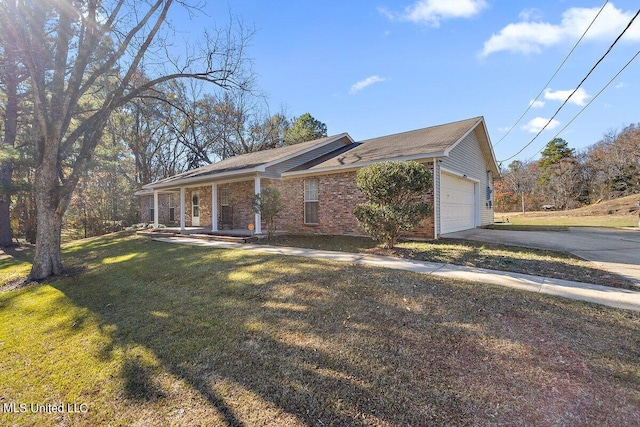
{"points": [[493, 256], [542, 220], [146, 333]]}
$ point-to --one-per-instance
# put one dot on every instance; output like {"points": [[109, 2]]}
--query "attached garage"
{"points": [[457, 203]]}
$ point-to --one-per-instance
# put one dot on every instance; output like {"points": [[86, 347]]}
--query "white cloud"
{"points": [[366, 82], [531, 37], [431, 12], [620, 85], [536, 125], [531, 14], [578, 98], [536, 104]]}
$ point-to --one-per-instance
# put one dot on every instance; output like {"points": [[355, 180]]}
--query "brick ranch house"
{"points": [[316, 180]]}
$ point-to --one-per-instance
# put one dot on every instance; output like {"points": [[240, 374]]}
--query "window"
{"points": [[172, 208], [311, 201], [224, 196], [195, 201], [151, 215], [226, 216]]}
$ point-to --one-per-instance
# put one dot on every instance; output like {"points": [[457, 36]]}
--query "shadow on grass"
{"points": [[332, 344], [235, 321]]}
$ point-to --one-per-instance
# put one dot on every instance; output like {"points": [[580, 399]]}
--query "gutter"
{"points": [[359, 165], [202, 179]]}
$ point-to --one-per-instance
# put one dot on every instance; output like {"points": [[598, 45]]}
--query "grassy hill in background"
{"points": [[621, 212]]}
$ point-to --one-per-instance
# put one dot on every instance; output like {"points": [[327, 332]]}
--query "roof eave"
{"points": [[356, 166], [184, 182]]}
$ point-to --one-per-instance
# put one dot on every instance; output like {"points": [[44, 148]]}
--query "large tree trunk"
{"points": [[47, 260]]}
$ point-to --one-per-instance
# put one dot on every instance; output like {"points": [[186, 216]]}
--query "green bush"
{"points": [[268, 204], [395, 193]]}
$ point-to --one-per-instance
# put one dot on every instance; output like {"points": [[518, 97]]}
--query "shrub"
{"points": [[268, 204], [395, 199]]}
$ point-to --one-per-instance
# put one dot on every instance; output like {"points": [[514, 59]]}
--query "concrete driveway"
{"points": [[616, 250]]}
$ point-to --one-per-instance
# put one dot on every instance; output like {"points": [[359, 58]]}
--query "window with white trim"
{"points": [[311, 201], [224, 196], [172, 207]]}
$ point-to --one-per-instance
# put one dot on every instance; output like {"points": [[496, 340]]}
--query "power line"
{"points": [[589, 103], [553, 76], [577, 87]]}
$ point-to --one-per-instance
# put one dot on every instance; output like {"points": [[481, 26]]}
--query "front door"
{"points": [[195, 209]]}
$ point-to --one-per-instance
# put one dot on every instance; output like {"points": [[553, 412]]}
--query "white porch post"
{"points": [[182, 209], [214, 207], [155, 208], [258, 219]]}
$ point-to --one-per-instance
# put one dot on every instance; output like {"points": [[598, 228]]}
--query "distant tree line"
{"points": [[565, 179], [94, 103], [180, 128]]}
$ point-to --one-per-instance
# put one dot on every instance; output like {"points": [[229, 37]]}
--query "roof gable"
{"points": [[434, 141]]}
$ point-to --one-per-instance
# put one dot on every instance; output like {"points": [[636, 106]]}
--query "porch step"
{"points": [[151, 233], [223, 238]]}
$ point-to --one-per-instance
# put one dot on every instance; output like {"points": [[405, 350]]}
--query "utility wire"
{"points": [[589, 103], [553, 76], [578, 87]]}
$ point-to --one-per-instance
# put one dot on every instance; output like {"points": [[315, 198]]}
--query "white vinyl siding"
{"points": [[311, 201]]}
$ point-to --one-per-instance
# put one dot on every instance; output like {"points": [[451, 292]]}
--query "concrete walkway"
{"points": [[612, 297]]}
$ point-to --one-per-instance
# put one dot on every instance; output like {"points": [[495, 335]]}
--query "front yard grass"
{"points": [[147, 333], [537, 262]]}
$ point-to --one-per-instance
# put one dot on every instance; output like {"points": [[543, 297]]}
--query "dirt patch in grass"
{"points": [[222, 337], [537, 262]]}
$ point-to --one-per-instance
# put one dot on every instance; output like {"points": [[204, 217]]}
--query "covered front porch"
{"points": [[219, 207]]}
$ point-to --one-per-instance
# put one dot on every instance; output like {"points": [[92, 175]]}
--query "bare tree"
{"points": [[82, 57], [520, 180]]}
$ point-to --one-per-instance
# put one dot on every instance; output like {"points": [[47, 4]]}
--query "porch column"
{"points": [[258, 219], [155, 208], [214, 207], [182, 209]]}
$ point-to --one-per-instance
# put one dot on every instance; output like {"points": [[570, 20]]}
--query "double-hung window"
{"points": [[311, 201], [172, 208]]}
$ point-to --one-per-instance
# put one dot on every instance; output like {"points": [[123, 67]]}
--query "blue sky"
{"points": [[373, 68]]}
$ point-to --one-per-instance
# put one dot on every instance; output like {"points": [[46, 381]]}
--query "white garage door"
{"points": [[457, 204]]}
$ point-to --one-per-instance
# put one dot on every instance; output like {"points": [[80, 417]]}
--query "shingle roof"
{"points": [[247, 161], [428, 141]]}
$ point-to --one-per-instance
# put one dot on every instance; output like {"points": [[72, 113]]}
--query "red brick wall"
{"points": [[146, 204], [337, 196], [205, 205], [240, 198]]}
